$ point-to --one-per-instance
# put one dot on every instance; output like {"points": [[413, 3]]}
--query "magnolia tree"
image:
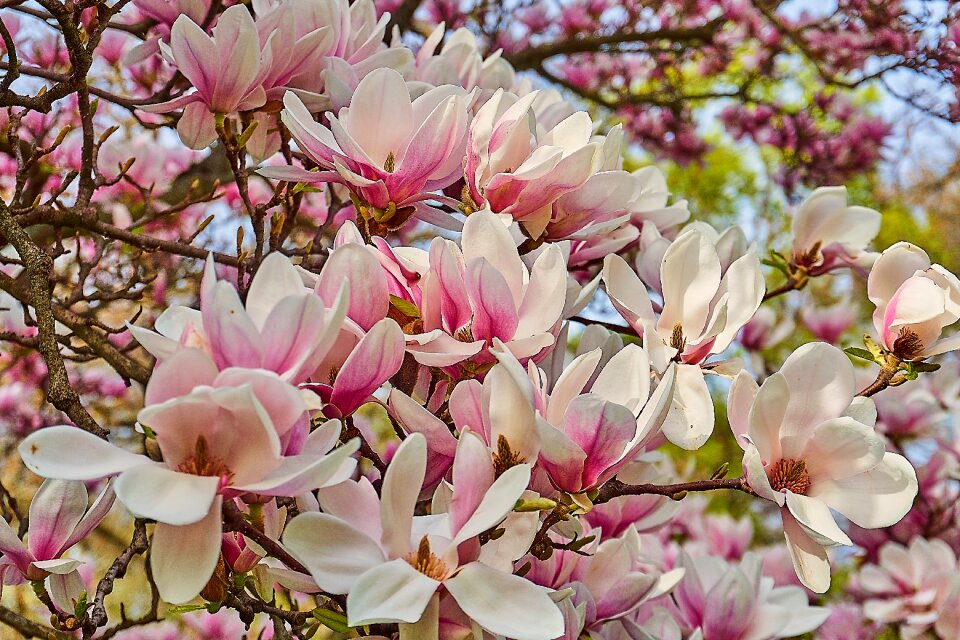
{"points": [[303, 313]]}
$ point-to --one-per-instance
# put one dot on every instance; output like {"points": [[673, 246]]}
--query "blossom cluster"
{"points": [[386, 410]]}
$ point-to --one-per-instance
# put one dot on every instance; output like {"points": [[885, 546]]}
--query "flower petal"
{"points": [[70, 453], [162, 494], [391, 592], [183, 558], [505, 604], [334, 552]]}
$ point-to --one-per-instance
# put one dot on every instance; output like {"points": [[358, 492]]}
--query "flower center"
{"points": [[908, 344], [505, 457], [201, 463], [426, 562], [789, 474]]}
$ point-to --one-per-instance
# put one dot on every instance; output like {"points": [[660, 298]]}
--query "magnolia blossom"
{"points": [[515, 165], [809, 446], [915, 301], [709, 293], [454, 302], [725, 601], [227, 70], [587, 437], [389, 150], [392, 564], [916, 587], [461, 62], [283, 327], [828, 235], [500, 411], [218, 443], [59, 518]]}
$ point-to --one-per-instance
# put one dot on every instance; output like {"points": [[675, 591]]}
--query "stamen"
{"points": [[789, 474], [426, 562]]}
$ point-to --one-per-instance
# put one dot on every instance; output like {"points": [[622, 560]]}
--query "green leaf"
{"points": [[186, 608], [405, 307], [857, 352], [332, 619], [924, 367]]}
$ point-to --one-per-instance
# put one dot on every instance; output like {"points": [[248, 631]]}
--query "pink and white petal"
{"points": [[59, 566], [369, 293], [626, 292], [809, 558], [690, 276], [197, 127], [485, 236], [162, 494], [498, 501], [276, 279], [283, 402], [766, 416], [467, 409], [822, 383], [545, 295], [603, 430], [439, 349], [428, 627], [179, 375], [414, 418], [560, 457], [374, 361], [756, 476], [571, 383], [65, 590], [508, 399], [380, 117], [876, 498], [234, 339], [157, 345], [505, 604], [494, 309], [238, 51], [298, 474], [69, 453], [56, 509], [356, 503], [841, 448], [335, 552], [691, 418], [625, 378], [473, 474], [401, 489], [194, 53], [817, 521], [743, 390], [391, 592], [13, 549], [183, 558], [94, 516]]}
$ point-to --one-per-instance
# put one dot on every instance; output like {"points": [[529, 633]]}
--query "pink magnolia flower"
{"points": [[59, 519], [587, 437], [727, 601], [218, 443], [353, 47], [828, 235], [500, 411], [227, 70], [453, 302], [389, 150], [828, 324], [373, 549], [461, 62], [915, 301], [809, 446], [284, 326], [916, 587], [709, 293], [518, 166], [165, 13], [643, 513]]}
